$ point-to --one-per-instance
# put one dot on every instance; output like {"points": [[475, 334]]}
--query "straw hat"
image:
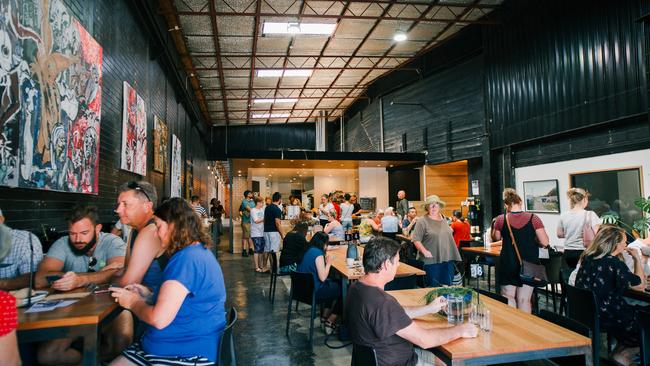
{"points": [[431, 200]]}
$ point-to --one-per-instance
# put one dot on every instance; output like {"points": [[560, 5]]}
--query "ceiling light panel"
{"points": [[275, 73], [325, 29], [270, 115], [275, 101]]}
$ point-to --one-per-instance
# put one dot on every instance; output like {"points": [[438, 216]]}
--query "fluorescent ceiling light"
{"points": [[399, 36], [298, 28], [276, 73], [270, 115], [271, 101]]}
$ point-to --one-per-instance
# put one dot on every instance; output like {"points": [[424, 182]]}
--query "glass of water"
{"points": [[486, 321], [455, 309]]}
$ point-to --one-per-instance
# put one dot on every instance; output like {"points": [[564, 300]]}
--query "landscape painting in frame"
{"points": [[134, 132], [51, 97], [159, 144], [542, 196], [176, 168]]}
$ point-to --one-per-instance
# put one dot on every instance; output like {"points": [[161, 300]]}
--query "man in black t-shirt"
{"points": [[273, 234], [377, 320]]}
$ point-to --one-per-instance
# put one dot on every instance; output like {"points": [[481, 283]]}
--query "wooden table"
{"points": [[81, 319], [352, 274], [516, 336], [637, 295], [493, 252]]}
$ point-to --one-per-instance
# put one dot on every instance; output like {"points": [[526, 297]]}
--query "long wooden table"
{"points": [[352, 274], [516, 336], [84, 319]]}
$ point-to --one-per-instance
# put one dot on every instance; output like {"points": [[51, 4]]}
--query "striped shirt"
{"points": [[200, 210]]}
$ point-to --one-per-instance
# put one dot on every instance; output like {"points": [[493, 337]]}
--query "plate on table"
{"points": [[21, 296]]}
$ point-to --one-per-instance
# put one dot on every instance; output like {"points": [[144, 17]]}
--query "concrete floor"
{"points": [[259, 332]]}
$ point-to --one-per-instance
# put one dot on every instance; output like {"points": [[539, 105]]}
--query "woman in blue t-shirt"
{"points": [[186, 313], [317, 262]]}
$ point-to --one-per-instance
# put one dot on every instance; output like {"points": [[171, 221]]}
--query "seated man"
{"points": [[409, 221], [377, 320], [83, 257], [15, 252]]}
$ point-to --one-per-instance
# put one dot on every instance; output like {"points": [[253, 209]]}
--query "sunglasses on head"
{"points": [[137, 187], [92, 262]]}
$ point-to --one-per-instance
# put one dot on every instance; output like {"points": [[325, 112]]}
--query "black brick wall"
{"points": [[127, 57]]}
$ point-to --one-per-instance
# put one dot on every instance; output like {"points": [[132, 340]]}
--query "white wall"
{"points": [[561, 171], [373, 182], [326, 181]]}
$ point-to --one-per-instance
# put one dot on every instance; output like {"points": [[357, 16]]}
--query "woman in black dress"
{"points": [[530, 235], [608, 277]]}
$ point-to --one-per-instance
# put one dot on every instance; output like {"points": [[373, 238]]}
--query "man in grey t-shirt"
{"points": [[85, 256]]}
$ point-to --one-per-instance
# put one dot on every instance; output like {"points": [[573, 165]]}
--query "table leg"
{"points": [[344, 292], [589, 359], [497, 283], [91, 340]]}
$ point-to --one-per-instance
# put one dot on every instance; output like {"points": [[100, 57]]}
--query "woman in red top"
{"points": [[529, 233], [460, 228], [8, 323]]}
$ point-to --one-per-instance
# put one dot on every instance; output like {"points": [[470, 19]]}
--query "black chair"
{"points": [[565, 273], [302, 291], [363, 356], [582, 307], [492, 295], [274, 276], [226, 350], [571, 325], [553, 267], [644, 323], [419, 265], [402, 283]]}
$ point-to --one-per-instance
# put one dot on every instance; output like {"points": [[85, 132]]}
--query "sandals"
{"points": [[258, 269], [330, 327]]}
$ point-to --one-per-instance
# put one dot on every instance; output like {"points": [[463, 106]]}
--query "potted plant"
{"points": [[640, 226]]}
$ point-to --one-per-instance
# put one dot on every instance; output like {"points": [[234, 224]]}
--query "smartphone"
{"points": [[53, 278]]}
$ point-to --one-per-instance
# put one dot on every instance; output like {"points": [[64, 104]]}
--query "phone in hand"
{"points": [[53, 278]]}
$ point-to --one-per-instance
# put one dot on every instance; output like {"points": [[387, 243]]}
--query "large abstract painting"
{"points": [[50, 98], [159, 144], [134, 132], [176, 168]]}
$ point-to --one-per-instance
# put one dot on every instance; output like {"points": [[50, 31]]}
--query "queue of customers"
{"points": [[164, 274]]}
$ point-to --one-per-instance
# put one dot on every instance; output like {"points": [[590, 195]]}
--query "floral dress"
{"points": [[608, 277]]}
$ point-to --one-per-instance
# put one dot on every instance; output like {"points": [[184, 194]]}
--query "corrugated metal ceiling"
{"points": [[225, 48]]}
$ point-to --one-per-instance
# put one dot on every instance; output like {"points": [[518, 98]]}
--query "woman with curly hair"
{"points": [[186, 314]]}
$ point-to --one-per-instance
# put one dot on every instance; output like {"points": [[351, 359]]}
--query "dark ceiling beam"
{"points": [[292, 88], [247, 110], [277, 55], [256, 26], [354, 53], [277, 97], [320, 55], [298, 68], [217, 48], [460, 15], [286, 57], [342, 16]]}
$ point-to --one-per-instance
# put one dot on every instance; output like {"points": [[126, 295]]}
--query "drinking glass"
{"points": [[486, 321], [455, 309]]}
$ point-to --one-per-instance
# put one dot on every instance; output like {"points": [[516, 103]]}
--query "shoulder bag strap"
{"points": [[512, 237]]}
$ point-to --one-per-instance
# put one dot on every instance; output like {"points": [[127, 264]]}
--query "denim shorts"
{"points": [[258, 244]]}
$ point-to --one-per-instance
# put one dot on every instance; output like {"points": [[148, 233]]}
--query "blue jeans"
{"points": [[329, 291], [347, 225], [439, 274]]}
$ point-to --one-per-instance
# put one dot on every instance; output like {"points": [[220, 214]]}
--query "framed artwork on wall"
{"points": [[542, 196], [134, 132], [51, 99], [159, 144], [612, 191], [176, 168]]}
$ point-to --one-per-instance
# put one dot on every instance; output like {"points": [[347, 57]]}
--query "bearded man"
{"points": [[85, 256]]}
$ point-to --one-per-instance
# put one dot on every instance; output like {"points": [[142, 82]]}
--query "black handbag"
{"points": [[531, 274]]}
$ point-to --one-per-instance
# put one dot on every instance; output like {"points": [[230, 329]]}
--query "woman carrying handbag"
{"points": [[527, 231]]}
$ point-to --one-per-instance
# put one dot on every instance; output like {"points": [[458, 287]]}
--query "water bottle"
{"points": [[351, 254]]}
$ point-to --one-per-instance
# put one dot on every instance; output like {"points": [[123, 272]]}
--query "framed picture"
{"points": [[542, 196], [176, 167], [51, 99], [134, 132], [612, 191], [159, 144]]}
